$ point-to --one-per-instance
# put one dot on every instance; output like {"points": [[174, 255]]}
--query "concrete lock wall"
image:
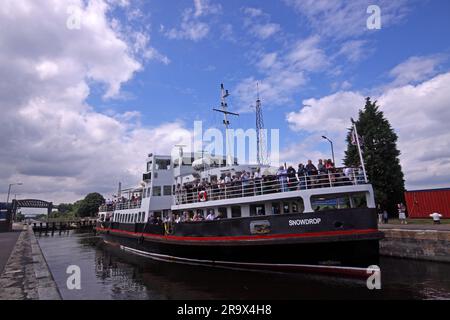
{"points": [[417, 244]]}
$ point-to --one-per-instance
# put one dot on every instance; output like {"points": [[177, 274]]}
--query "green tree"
{"points": [[65, 208], [88, 207], [380, 154]]}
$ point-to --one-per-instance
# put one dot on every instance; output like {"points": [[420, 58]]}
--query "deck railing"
{"points": [[131, 204], [269, 185]]}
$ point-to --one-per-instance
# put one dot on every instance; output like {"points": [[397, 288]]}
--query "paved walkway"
{"points": [[26, 275], [432, 227], [7, 242]]}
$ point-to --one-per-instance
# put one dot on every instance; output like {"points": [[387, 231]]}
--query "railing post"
{"points": [[329, 179]]}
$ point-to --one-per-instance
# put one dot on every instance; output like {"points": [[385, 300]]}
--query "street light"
{"points": [[9, 190], [332, 149]]}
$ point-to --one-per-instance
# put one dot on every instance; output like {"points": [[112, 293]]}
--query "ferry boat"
{"points": [[187, 210]]}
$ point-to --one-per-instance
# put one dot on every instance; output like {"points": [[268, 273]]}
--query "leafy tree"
{"points": [[88, 207], [380, 155], [65, 208]]}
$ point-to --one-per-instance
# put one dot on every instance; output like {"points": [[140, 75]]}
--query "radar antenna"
{"points": [[261, 152], [224, 109]]}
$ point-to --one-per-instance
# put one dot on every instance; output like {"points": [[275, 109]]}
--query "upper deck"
{"points": [[340, 181]]}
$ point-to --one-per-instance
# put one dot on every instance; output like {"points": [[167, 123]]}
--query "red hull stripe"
{"points": [[249, 238]]}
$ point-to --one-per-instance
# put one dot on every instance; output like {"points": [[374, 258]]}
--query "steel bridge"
{"points": [[32, 203]]}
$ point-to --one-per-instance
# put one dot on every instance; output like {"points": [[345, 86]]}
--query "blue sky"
{"points": [[191, 80], [83, 103]]}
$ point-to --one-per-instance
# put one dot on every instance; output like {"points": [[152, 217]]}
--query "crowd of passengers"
{"points": [[134, 201], [186, 216], [308, 176]]}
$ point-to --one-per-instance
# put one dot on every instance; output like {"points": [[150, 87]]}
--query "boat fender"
{"points": [[202, 196]]}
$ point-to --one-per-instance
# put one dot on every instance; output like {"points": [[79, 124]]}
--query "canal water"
{"points": [[107, 275]]}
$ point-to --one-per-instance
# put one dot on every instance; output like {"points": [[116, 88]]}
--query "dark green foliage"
{"points": [[65, 208], [88, 207], [380, 155]]}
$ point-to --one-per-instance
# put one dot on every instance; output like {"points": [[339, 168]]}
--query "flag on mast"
{"points": [[354, 139], [358, 139]]}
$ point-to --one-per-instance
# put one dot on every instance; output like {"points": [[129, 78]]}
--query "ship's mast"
{"points": [[224, 109], [260, 137]]}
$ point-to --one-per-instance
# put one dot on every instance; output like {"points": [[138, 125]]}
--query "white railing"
{"points": [[131, 204], [268, 185]]}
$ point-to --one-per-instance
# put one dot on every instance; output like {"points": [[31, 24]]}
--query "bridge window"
{"points": [[167, 190], [162, 164], [149, 166], [157, 191]]}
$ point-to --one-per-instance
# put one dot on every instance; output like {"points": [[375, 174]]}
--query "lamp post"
{"points": [[9, 190], [7, 198], [332, 149]]}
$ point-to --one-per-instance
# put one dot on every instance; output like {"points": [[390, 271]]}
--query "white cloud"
{"points": [[283, 73], [52, 140], [419, 114], [192, 28], [354, 50], [253, 12], [258, 23], [344, 19], [416, 69], [264, 31]]}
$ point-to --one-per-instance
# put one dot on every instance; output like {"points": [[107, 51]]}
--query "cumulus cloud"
{"points": [[52, 140], [192, 27], [419, 114]]}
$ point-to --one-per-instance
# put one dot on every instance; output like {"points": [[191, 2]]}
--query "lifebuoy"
{"points": [[202, 196]]}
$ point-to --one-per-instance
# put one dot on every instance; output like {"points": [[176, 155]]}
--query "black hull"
{"points": [[344, 239]]}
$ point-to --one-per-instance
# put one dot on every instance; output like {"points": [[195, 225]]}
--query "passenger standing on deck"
{"points": [[282, 178], [301, 172], [258, 177], [311, 171], [321, 167], [292, 179], [245, 183], [436, 217]]}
